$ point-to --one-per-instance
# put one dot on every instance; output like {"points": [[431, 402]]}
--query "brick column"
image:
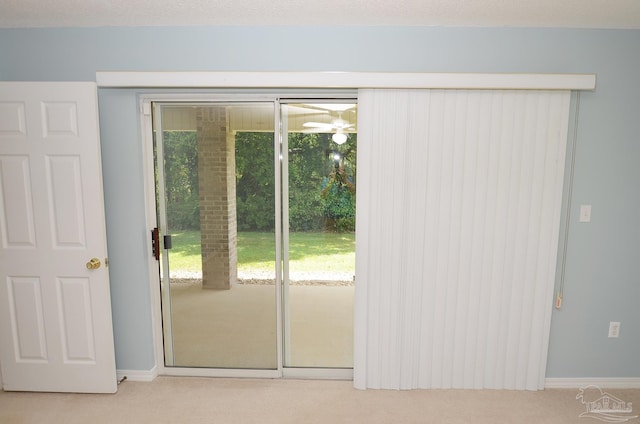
{"points": [[217, 190]]}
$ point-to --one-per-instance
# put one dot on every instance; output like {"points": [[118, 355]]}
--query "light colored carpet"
{"points": [[221, 401]]}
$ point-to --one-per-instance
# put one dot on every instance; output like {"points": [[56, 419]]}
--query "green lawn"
{"points": [[256, 251]]}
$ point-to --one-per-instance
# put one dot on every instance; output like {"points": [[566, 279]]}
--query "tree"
{"points": [[181, 180], [255, 185], [307, 170], [339, 193], [321, 183], [321, 188]]}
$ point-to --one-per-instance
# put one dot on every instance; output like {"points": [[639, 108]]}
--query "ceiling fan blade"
{"points": [[344, 125], [317, 125], [334, 107], [299, 110]]}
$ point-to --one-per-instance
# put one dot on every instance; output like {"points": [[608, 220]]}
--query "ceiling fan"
{"points": [[337, 126]]}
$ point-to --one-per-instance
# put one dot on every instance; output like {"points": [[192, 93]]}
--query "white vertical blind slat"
{"points": [[459, 197]]}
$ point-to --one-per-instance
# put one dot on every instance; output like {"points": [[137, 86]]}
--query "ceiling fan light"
{"points": [[339, 138]]}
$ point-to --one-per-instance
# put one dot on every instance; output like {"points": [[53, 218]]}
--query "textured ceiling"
{"points": [[519, 13]]}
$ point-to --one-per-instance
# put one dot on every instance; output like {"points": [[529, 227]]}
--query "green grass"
{"points": [[256, 251]]}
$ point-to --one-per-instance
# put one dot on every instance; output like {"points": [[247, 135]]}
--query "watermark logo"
{"points": [[604, 406]]}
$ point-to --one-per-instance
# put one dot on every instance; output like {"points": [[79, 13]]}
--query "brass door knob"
{"points": [[94, 263]]}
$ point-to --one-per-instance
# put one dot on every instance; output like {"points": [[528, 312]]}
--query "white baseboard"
{"points": [[576, 383], [549, 383], [138, 375]]}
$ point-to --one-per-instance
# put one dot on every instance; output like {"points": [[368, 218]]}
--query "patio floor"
{"points": [[236, 328]]}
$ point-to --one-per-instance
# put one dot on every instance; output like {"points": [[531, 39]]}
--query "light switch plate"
{"points": [[585, 213], [614, 329]]}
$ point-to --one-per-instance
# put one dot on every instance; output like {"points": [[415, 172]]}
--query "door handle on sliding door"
{"points": [[155, 243]]}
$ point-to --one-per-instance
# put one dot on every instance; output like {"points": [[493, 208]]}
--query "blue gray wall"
{"points": [[603, 257]]}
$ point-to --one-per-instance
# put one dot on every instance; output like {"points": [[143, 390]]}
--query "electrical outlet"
{"points": [[614, 329]]}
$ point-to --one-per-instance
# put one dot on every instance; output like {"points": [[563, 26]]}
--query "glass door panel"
{"points": [[216, 201], [319, 235]]}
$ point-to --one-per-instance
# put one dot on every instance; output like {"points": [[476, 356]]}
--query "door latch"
{"points": [[155, 243]]}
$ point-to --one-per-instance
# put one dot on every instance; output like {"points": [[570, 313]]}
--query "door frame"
{"points": [[146, 119], [203, 96]]}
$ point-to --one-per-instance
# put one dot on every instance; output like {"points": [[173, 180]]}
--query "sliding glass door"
{"points": [[216, 185], [256, 233], [319, 229]]}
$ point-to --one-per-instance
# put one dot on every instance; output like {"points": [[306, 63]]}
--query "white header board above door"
{"points": [[496, 81]]}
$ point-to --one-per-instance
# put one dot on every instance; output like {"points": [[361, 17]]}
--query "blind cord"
{"points": [[574, 143]]}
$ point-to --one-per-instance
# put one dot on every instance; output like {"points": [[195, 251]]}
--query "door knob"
{"points": [[94, 263]]}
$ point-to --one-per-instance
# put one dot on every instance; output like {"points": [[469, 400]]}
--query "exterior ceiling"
{"points": [[486, 13], [253, 118]]}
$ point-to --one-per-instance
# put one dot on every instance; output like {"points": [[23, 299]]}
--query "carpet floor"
{"points": [[221, 401]]}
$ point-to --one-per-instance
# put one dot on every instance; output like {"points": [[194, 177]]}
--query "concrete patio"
{"points": [[236, 328]]}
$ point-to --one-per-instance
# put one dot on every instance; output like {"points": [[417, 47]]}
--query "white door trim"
{"points": [[146, 137], [497, 81], [146, 127]]}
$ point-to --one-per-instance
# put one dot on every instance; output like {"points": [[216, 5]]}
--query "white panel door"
{"points": [[55, 313]]}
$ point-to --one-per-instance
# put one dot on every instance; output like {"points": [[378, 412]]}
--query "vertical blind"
{"points": [[458, 214]]}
